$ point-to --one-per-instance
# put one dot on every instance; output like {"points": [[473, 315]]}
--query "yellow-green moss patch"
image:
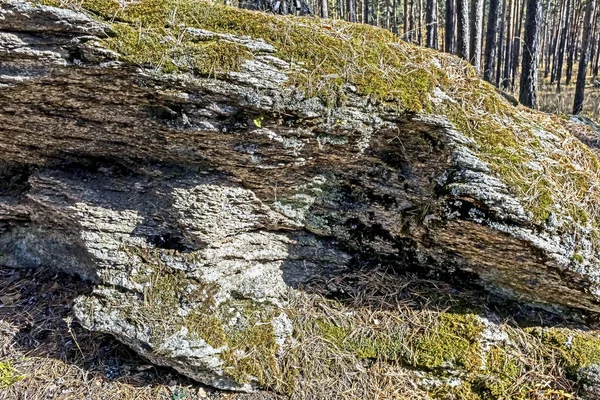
{"points": [[451, 341], [8, 375], [569, 348]]}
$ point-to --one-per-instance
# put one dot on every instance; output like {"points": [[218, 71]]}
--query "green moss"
{"points": [[251, 343], [569, 348], [501, 372], [207, 327], [8, 375], [460, 391], [453, 341], [365, 343], [578, 258], [173, 49], [330, 54]]}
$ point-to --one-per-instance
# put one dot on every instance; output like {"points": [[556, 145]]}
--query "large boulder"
{"points": [[199, 163]]}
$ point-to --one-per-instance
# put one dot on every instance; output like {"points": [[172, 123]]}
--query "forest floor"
{"points": [[562, 103], [45, 355]]}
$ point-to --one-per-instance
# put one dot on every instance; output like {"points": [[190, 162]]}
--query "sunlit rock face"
{"points": [[198, 200]]}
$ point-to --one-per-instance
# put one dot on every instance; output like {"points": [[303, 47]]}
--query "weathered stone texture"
{"points": [[238, 188]]}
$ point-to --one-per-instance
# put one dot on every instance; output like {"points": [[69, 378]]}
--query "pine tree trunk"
{"points": [[366, 12], [431, 24], [395, 16], [491, 40], [547, 34], [573, 45], [325, 9], [597, 60], [462, 40], [560, 59], [351, 11], [420, 12], [450, 22], [560, 23], [584, 59], [411, 21], [508, 47], [500, 54], [529, 69], [476, 33], [517, 45], [594, 39], [387, 14]]}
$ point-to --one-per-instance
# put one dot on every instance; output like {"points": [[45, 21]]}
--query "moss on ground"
{"points": [[252, 349], [454, 341], [568, 348], [8, 375]]}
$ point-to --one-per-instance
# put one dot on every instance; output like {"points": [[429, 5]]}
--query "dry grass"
{"points": [[562, 103], [397, 313]]}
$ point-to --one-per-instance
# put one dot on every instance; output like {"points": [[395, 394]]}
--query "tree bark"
{"points": [[585, 58], [517, 44], [476, 34], [351, 11], [557, 38], [411, 21], [431, 24], [508, 48], [491, 40], [395, 16], [500, 54], [529, 69], [562, 47], [406, 30], [366, 12], [573, 44], [462, 40], [325, 9], [450, 22]]}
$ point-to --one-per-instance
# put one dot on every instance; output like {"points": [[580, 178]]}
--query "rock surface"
{"points": [[199, 201]]}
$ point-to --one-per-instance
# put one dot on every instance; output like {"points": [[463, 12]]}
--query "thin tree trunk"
{"points": [[366, 12], [574, 43], [529, 69], [420, 19], [351, 11], [431, 24], [450, 22], [500, 53], [395, 16], [462, 40], [594, 39], [517, 45], [476, 33], [508, 47], [547, 34], [406, 20], [584, 59], [558, 39], [387, 14], [411, 21], [325, 9], [562, 47], [491, 40], [597, 61]]}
